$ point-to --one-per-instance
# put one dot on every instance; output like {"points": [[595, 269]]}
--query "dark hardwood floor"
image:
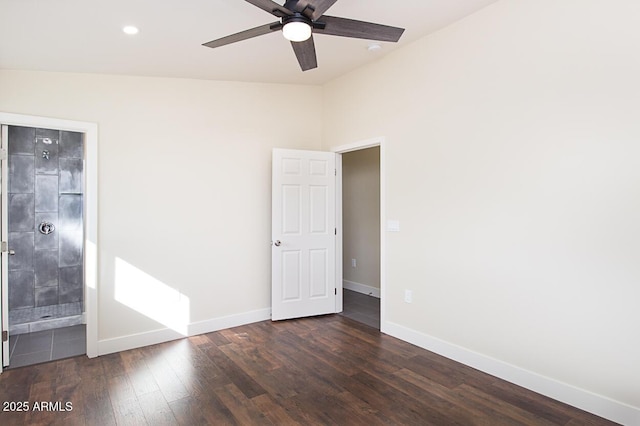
{"points": [[326, 370]]}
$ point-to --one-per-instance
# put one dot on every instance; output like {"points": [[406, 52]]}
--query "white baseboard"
{"points": [[154, 337], [361, 288], [597, 404]]}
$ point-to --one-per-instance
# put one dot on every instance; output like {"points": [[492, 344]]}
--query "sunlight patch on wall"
{"points": [[151, 297]]}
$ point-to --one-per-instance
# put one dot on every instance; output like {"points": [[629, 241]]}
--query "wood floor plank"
{"points": [[88, 367], [95, 401], [445, 374], [333, 353], [156, 410], [66, 394], [545, 407], [428, 404], [71, 419], [360, 411], [249, 359], [237, 375], [112, 362], [499, 411], [38, 393], [240, 336], [168, 382], [468, 413], [199, 340], [125, 403], [217, 338], [140, 376], [363, 351], [311, 371], [213, 409], [305, 412], [309, 366], [273, 410], [41, 373], [187, 411], [388, 401], [587, 419], [242, 408], [282, 383]]}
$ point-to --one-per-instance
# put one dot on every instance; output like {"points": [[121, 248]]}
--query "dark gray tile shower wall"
{"points": [[21, 140], [21, 290], [45, 185], [21, 174], [21, 212], [46, 199]]}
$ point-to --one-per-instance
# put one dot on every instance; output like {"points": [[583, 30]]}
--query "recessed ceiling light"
{"points": [[373, 47], [130, 29]]}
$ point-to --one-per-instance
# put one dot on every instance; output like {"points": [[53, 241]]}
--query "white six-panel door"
{"points": [[303, 234]]}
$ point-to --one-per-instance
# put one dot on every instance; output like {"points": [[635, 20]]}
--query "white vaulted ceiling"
{"points": [[86, 36]]}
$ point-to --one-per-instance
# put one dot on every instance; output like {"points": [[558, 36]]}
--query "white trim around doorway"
{"points": [[356, 146], [90, 131]]}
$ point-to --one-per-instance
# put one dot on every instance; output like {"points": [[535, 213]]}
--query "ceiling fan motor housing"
{"points": [[296, 17], [299, 17]]}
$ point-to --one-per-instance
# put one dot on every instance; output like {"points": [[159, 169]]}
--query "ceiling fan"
{"points": [[300, 18]]}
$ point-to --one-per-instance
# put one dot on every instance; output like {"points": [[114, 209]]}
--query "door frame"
{"points": [[339, 150], [90, 130]]}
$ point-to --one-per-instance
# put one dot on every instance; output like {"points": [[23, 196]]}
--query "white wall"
{"points": [[361, 219], [512, 165], [184, 191]]}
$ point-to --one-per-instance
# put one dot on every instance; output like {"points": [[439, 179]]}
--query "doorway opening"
{"points": [[361, 232], [42, 203], [49, 238]]}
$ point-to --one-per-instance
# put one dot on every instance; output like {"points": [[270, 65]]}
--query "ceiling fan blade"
{"points": [[244, 35], [312, 9], [358, 29], [306, 53], [272, 7]]}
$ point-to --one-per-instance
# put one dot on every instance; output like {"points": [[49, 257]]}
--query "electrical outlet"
{"points": [[408, 296], [354, 264]]}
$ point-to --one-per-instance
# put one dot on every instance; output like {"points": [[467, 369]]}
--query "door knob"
{"points": [[11, 252], [278, 243]]}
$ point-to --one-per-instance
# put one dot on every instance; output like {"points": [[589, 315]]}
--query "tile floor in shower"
{"points": [[46, 345], [45, 333]]}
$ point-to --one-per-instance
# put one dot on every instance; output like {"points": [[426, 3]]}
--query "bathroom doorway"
{"points": [[43, 238]]}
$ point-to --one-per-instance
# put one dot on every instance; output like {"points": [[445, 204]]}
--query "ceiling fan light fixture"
{"points": [[296, 31], [299, 19]]}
